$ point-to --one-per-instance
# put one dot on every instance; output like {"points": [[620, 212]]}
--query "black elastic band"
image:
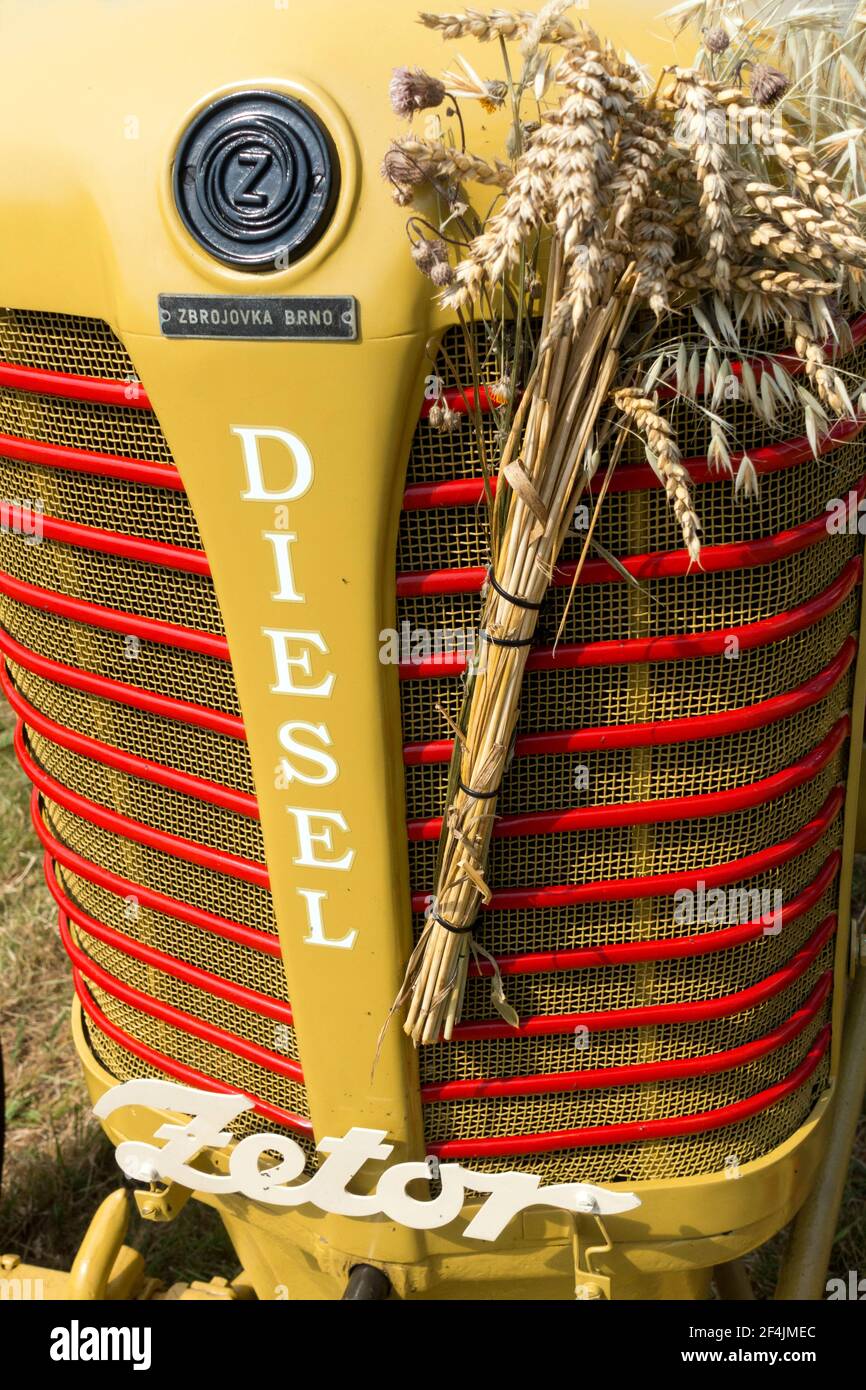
{"points": [[507, 641], [477, 796], [449, 926], [512, 598]]}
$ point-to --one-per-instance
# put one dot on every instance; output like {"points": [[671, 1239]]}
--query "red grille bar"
{"points": [[89, 461], [666, 948], [245, 998], [653, 812], [74, 388], [640, 650], [659, 565], [655, 1015], [190, 850], [148, 897], [465, 402], [167, 1013], [113, 543], [199, 716], [113, 620], [641, 1073], [637, 1130], [172, 1067], [215, 793], [773, 458], [650, 735], [660, 885]]}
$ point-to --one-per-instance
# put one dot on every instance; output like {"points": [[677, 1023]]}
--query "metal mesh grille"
{"points": [[106, 429], [187, 883], [612, 922], [601, 696], [632, 523], [144, 801], [65, 343], [213, 756], [228, 959], [236, 1072], [622, 1104], [636, 523], [152, 666], [129, 508], [666, 606], [88, 347], [559, 781], [728, 1148], [440, 456], [146, 591], [592, 856], [125, 1066]]}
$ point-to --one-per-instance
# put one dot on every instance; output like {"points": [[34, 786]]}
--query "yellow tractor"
{"points": [[216, 360]]}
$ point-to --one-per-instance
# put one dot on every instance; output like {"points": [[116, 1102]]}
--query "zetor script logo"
{"points": [[210, 1112]]}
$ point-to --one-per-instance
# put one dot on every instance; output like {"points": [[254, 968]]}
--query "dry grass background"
{"points": [[58, 1163]]}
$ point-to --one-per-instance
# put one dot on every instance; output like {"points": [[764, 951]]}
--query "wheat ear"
{"points": [[642, 412]]}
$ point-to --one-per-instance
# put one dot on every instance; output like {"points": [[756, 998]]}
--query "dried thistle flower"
{"points": [[443, 419], [501, 392], [430, 255], [442, 275], [767, 84], [415, 91], [422, 255], [716, 40]]}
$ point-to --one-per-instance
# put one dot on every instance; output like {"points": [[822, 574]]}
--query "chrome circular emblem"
{"points": [[256, 180]]}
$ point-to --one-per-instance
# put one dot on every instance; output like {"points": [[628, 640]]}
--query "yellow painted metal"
{"points": [[671, 1242], [804, 1270], [161, 1204], [104, 1269], [87, 227]]}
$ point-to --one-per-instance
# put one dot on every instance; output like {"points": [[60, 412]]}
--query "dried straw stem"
{"points": [[552, 432]]}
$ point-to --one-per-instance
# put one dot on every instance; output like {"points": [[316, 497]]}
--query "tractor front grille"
{"points": [[129, 727], [686, 735], [706, 750]]}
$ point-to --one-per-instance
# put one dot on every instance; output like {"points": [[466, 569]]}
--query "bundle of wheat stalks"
{"points": [[619, 201]]}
